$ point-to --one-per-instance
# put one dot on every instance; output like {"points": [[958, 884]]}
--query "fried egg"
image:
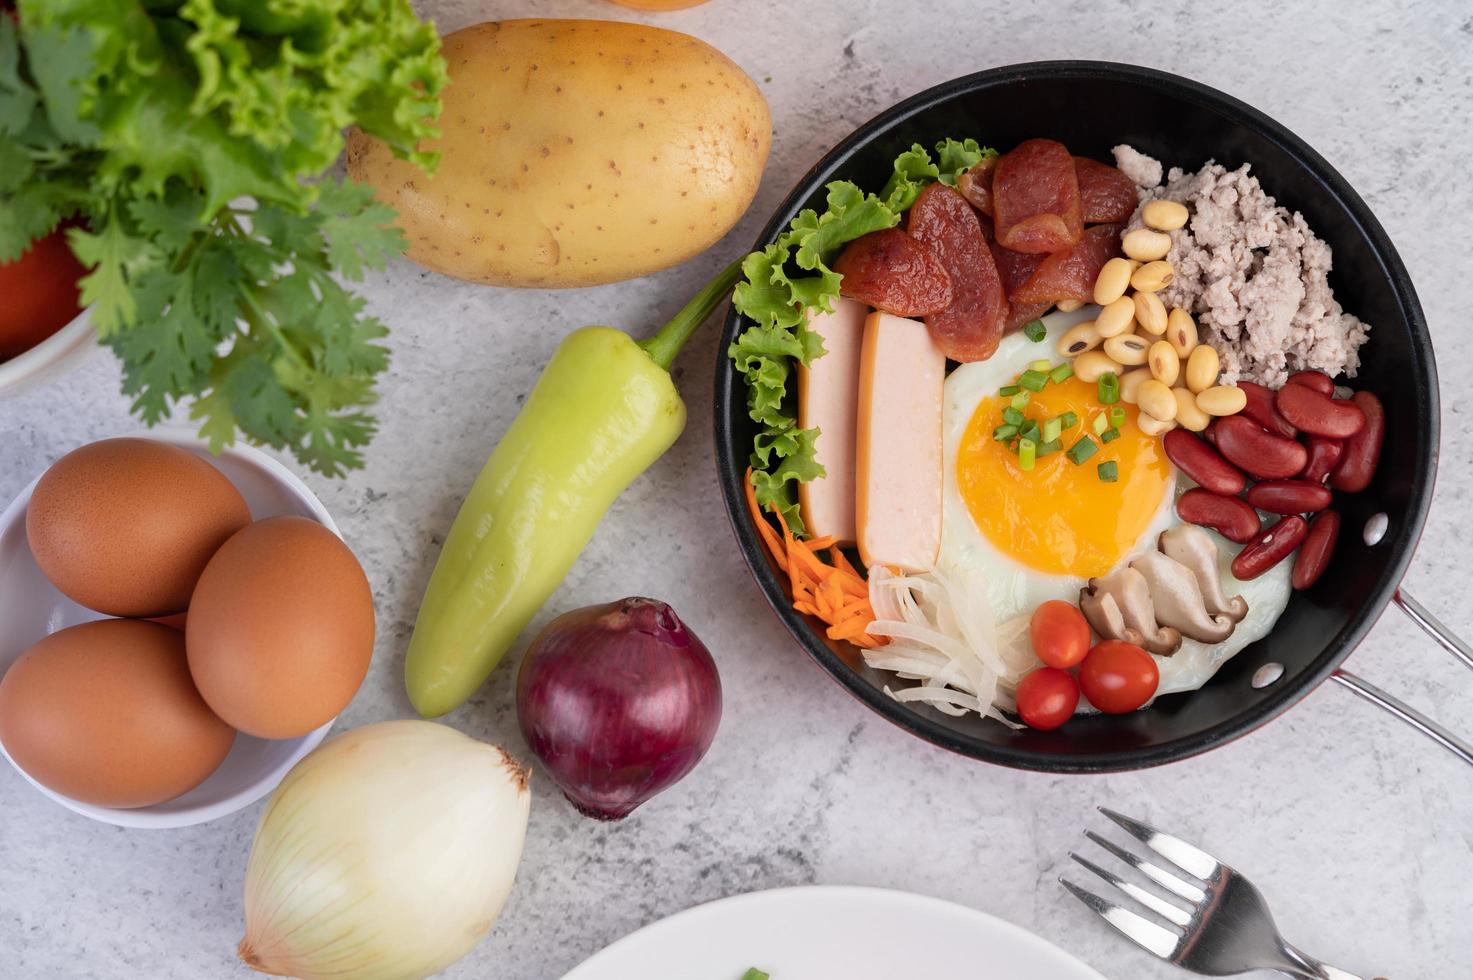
{"points": [[1041, 534]]}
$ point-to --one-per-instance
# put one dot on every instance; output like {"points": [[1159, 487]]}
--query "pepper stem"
{"points": [[665, 345]]}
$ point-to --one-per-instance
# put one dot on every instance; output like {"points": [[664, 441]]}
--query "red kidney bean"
{"points": [[1317, 380], [1318, 414], [1289, 496], [1260, 408], [1362, 450], [1314, 553], [1323, 455], [1203, 463], [1228, 516], [1258, 452], [1272, 547]]}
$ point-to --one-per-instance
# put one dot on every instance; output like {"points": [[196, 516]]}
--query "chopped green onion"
{"points": [[1052, 429], [1109, 472], [1026, 450], [1041, 365], [1034, 330], [1020, 400], [1082, 450], [1008, 391], [1061, 373], [1030, 432], [1109, 388], [1069, 420], [1004, 432], [1033, 380], [1012, 416], [1051, 446], [1117, 415], [1109, 435], [1100, 424]]}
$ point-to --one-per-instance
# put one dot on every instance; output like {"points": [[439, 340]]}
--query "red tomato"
{"points": [[1118, 677], [1047, 698], [38, 294], [1059, 633]]}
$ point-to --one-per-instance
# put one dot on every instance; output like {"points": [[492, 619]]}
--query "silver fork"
{"points": [[1226, 929]]}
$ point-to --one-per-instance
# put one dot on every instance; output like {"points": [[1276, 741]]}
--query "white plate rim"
{"points": [[1052, 957]]}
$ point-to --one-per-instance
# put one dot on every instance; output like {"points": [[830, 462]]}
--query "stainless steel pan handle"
{"points": [[1448, 641]]}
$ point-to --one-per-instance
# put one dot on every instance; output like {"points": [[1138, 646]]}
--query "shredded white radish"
{"points": [[942, 634]]}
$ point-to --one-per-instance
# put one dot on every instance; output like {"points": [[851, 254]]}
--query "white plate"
{"points": [[52, 357], [832, 933], [31, 608]]}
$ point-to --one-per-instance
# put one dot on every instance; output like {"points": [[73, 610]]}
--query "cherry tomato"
{"points": [[1047, 698], [1118, 677], [1059, 633], [38, 294]]}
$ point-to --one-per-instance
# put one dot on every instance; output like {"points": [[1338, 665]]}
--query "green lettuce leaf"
{"points": [[789, 278]]}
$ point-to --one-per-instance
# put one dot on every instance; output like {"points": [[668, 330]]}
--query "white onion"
{"points": [[386, 854]]}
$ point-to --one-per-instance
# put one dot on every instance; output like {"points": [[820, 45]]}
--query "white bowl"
{"points": [[55, 355], [31, 608]]}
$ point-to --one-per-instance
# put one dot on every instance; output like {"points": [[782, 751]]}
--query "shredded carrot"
{"points": [[834, 593]]}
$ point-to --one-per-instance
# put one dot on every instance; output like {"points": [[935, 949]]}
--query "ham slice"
{"points": [[1035, 198], [898, 469], [828, 400]]}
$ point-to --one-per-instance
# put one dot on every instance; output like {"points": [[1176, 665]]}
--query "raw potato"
{"points": [[576, 152]]}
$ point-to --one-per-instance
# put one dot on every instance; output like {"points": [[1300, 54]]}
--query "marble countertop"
{"points": [[1357, 828]]}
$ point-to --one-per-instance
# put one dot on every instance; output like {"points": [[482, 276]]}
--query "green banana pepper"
{"points": [[604, 409]]}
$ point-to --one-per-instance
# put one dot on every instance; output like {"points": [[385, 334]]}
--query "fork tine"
{"points": [[1138, 929], [1160, 876], [1193, 860], [1151, 901]]}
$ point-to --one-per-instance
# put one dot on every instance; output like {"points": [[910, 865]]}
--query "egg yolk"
{"points": [[1060, 517]]}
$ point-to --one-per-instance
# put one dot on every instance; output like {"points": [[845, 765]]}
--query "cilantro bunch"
{"points": [[189, 139], [787, 279]]}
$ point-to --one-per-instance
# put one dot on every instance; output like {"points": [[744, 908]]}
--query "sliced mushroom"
{"points": [[1134, 616], [1178, 600], [1194, 548]]}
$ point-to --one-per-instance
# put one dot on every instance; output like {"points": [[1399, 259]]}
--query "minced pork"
{"points": [[1253, 274]]}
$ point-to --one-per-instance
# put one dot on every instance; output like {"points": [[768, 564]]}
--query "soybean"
{"points": [[1091, 365], [1202, 368], [1153, 276], [1222, 400], [1116, 318], [1069, 305], [1156, 400], [1079, 338], [1181, 330], [1152, 426], [1145, 245], [1150, 313], [1130, 383], [1127, 349], [1164, 215], [1113, 278], [1188, 414], [1165, 365]]}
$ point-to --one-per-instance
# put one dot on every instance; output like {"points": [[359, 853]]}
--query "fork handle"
{"points": [[1301, 964]]}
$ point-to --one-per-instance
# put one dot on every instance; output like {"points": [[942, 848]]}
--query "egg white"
{"points": [[1015, 590]]}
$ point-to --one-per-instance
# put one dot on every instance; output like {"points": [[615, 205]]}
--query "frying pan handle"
{"points": [[1448, 641]]}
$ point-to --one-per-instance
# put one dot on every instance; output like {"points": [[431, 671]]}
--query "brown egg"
{"points": [[280, 628], [106, 713], [125, 526]]}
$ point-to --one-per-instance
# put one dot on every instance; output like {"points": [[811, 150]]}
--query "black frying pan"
{"points": [[1091, 107]]}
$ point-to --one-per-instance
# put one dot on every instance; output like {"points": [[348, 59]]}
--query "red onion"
{"points": [[618, 702]]}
